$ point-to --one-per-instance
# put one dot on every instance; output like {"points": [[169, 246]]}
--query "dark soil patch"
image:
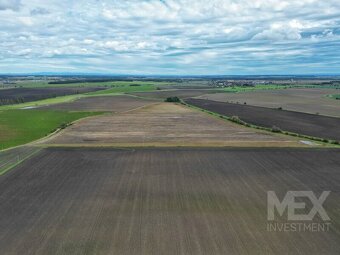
{"points": [[296, 122], [163, 201], [22, 95], [101, 103]]}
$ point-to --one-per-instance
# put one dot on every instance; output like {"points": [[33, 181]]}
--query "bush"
{"points": [[63, 125], [236, 119], [172, 99], [276, 129]]}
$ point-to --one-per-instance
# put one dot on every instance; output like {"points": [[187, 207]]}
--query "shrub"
{"points": [[172, 99], [63, 125], [276, 129], [236, 119]]}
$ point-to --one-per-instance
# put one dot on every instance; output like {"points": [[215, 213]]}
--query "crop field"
{"points": [[308, 100], [101, 104], [163, 201], [126, 88], [21, 95], [301, 123], [181, 93], [165, 124], [22, 126]]}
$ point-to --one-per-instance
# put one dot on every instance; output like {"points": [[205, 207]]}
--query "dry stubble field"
{"points": [[162, 201], [165, 124]]}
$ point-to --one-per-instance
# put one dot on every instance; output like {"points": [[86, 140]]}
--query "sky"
{"points": [[170, 37]]}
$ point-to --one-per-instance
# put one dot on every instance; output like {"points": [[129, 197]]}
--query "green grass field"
{"points": [[22, 126], [335, 96]]}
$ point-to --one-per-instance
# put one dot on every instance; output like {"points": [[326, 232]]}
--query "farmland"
{"points": [[308, 100], [296, 122], [117, 103], [12, 157], [181, 93], [162, 201], [136, 175], [165, 124], [22, 126], [22, 95]]}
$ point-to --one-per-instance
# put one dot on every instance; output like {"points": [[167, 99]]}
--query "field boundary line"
{"points": [[3, 171]]}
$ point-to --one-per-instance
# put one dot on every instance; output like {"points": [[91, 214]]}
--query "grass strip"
{"points": [[14, 164]]}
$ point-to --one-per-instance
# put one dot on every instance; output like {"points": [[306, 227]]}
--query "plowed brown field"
{"points": [[162, 201], [102, 104]]}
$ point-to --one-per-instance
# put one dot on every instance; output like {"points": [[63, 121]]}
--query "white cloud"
{"points": [[169, 35], [27, 21], [281, 31], [10, 5]]}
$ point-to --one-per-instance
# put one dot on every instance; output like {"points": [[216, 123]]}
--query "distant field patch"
{"points": [[308, 100], [296, 122], [44, 84], [181, 93], [124, 88], [23, 126], [237, 89], [101, 103], [23, 95]]}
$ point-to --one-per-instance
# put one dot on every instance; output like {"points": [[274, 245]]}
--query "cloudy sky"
{"points": [[170, 36]]}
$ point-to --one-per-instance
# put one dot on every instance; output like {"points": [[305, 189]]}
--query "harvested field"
{"points": [[181, 93], [302, 123], [20, 95], [308, 100], [165, 124], [101, 103], [163, 201]]}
